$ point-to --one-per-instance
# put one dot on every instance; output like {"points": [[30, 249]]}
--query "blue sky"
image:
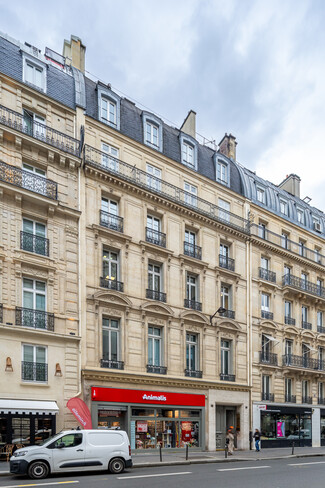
{"points": [[250, 67]]}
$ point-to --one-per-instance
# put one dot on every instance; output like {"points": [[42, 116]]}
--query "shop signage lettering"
{"points": [[160, 398]]}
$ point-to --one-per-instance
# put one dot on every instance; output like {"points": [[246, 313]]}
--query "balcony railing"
{"points": [[303, 285], [306, 399], [33, 371], [193, 373], [156, 295], [289, 321], [287, 244], [268, 397], [301, 362], [29, 181], [265, 314], [320, 329], [155, 237], [110, 363], [290, 398], [192, 250], [193, 304], [227, 377], [33, 243], [268, 358], [321, 400], [36, 319], [156, 369], [94, 157], [267, 275], [111, 284], [229, 314], [111, 221], [61, 141], [227, 263], [1, 313], [306, 325]]}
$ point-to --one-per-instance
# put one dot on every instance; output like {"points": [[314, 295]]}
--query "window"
{"points": [[110, 157], [154, 346], [109, 215], [111, 339], [262, 231], [319, 318], [34, 299], [288, 347], [109, 106], [108, 111], [284, 207], [305, 354], [287, 270], [152, 131], [265, 302], [287, 309], [153, 177], [190, 247], [305, 390], [224, 251], [318, 257], [190, 196], [303, 280], [226, 362], [34, 179], [288, 389], [34, 72], [224, 210], [265, 263], [260, 193], [285, 240], [300, 216], [153, 223], [191, 287], [33, 237], [154, 277], [320, 392], [321, 357], [109, 206], [304, 314], [302, 248], [188, 155], [320, 286], [110, 265], [225, 297], [266, 348], [34, 363], [266, 386], [191, 352], [222, 172], [69, 440], [152, 134], [34, 125], [190, 237]]}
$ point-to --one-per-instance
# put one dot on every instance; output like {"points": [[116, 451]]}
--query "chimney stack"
{"points": [[227, 146], [189, 124], [75, 52], [291, 184]]}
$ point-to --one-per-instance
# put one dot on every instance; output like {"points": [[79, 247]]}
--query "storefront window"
{"points": [[3, 431], [322, 426], [278, 426], [143, 412], [163, 412], [190, 413], [145, 434], [305, 426], [21, 430]]}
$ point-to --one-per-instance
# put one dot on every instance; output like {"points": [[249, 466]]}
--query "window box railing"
{"points": [[306, 325], [156, 295], [320, 329], [193, 373], [227, 263], [303, 285], [268, 358], [229, 314], [321, 400], [301, 362], [1, 313], [267, 275], [289, 321], [268, 397], [306, 399], [36, 319], [110, 363], [156, 369], [33, 371], [33, 243], [155, 237], [111, 221], [39, 131], [193, 305], [192, 250], [290, 398], [29, 181], [265, 314], [111, 284], [127, 172], [227, 377]]}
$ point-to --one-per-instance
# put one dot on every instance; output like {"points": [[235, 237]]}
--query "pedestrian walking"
{"points": [[257, 437], [230, 441]]}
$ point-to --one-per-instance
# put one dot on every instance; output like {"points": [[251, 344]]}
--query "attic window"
{"points": [[34, 72], [152, 131]]}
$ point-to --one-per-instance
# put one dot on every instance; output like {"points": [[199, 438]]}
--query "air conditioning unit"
{"points": [[317, 226]]}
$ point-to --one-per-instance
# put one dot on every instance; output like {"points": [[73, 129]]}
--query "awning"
{"points": [[28, 406], [270, 338]]}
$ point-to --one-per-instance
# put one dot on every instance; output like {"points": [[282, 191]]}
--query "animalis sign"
{"points": [[119, 395]]}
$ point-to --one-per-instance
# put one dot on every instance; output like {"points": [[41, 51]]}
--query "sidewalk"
{"points": [[174, 458]]}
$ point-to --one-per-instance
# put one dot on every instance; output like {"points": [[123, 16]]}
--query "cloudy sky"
{"points": [[254, 68]]}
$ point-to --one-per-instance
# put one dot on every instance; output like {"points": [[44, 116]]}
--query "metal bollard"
{"points": [[186, 452], [293, 447], [226, 451], [160, 453]]}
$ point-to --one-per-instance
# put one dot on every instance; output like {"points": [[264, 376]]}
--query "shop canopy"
{"points": [[28, 406]]}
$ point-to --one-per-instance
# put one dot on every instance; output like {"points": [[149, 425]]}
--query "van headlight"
{"points": [[19, 453]]}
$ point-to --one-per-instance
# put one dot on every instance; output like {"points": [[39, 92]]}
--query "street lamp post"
{"points": [[220, 310]]}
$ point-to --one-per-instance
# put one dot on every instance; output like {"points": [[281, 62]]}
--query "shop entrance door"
{"points": [[225, 417]]}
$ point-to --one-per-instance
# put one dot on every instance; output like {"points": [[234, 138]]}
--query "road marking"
{"points": [[40, 484], [151, 475], [249, 467], [303, 464]]}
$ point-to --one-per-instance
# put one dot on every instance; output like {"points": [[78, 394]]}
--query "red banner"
{"points": [[81, 412]]}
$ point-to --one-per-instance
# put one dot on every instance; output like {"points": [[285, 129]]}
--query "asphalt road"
{"points": [[288, 473]]}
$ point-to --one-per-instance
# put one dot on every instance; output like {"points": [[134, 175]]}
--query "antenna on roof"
{"points": [[306, 199]]}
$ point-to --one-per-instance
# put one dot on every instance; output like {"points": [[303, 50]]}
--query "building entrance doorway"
{"points": [[225, 417]]}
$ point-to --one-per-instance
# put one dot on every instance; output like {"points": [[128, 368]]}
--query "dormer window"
{"points": [[222, 172], [284, 207], [188, 154], [152, 131], [108, 111], [260, 194], [108, 106], [300, 216], [152, 134], [34, 72]]}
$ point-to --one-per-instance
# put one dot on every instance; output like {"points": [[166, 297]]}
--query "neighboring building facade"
{"points": [[122, 237]]}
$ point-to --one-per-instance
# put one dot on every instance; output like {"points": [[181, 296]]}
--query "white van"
{"points": [[74, 450]]}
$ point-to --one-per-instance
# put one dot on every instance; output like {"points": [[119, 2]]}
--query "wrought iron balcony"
{"points": [[321, 400], [289, 321], [320, 329], [109, 363], [265, 314], [303, 285], [1, 313], [36, 319], [33, 243], [306, 325], [111, 221], [227, 377], [301, 361], [155, 237], [33, 371], [268, 358], [267, 275], [29, 181], [306, 399], [290, 398], [156, 295], [192, 250], [98, 159], [227, 263], [39, 131], [156, 369], [268, 397], [111, 284], [193, 373], [229, 314], [193, 304]]}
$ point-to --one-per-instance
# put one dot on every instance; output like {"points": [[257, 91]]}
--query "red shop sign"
{"points": [[119, 395]]}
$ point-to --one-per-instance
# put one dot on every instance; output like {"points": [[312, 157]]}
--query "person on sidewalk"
{"points": [[230, 441], [257, 437]]}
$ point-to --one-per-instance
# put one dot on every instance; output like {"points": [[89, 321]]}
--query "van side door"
{"points": [[68, 452]]}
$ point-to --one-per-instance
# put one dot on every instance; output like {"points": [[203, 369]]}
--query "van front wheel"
{"points": [[116, 466], [38, 470]]}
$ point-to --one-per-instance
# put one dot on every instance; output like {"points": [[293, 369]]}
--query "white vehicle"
{"points": [[74, 450]]}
